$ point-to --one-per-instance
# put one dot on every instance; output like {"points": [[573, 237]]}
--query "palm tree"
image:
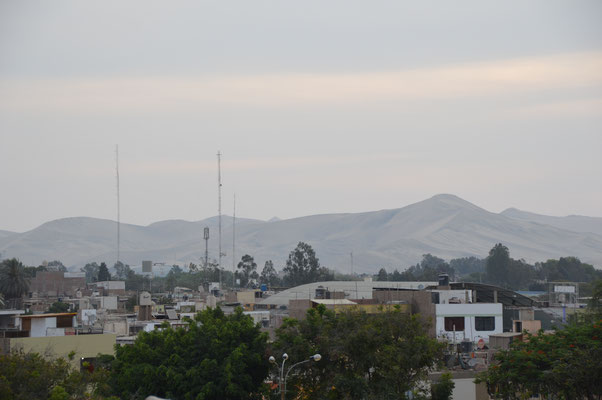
{"points": [[13, 281]]}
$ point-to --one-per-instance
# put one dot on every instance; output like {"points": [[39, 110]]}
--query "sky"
{"points": [[318, 107]]}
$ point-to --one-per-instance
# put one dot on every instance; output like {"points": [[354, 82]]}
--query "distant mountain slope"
{"points": [[443, 225], [4, 234], [575, 223]]}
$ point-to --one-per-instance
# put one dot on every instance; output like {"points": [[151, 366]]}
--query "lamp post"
{"points": [[283, 377]]}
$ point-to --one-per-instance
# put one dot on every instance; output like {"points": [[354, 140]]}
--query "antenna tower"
{"points": [[206, 237], [219, 213], [118, 202], [234, 243]]}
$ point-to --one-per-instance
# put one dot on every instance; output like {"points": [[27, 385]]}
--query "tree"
{"points": [[57, 265], [498, 265], [382, 275], [216, 356], [122, 271], [443, 389], [302, 266], [25, 376], [103, 273], [13, 281], [269, 276], [468, 265], [373, 356], [91, 270], [428, 270], [58, 307], [30, 272], [562, 365], [246, 267], [173, 276]]}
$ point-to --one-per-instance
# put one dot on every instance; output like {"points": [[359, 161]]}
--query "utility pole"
{"points": [[219, 212]]}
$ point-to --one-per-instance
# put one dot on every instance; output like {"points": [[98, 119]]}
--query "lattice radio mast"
{"points": [[219, 213], [234, 243], [118, 202]]}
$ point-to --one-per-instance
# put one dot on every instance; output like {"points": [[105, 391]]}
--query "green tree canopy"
{"points": [[26, 376], [302, 266], [246, 267], [58, 307], [269, 276], [123, 272], [382, 275], [562, 365], [498, 265], [14, 282], [57, 265], [363, 355], [91, 270], [216, 356], [103, 273]]}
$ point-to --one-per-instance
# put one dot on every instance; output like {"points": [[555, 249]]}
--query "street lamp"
{"points": [[283, 377]]}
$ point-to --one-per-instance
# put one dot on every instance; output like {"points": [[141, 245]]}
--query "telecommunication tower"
{"points": [[219, 213], [118, 202], [234, 243], [206, 237]]}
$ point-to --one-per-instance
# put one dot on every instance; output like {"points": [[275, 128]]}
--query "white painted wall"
{"points": [[111, 285], [464, 389], [108, 302], [39, 325], [468, 312]]}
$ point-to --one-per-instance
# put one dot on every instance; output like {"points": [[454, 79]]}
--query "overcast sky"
{"points": [[317, 106]]}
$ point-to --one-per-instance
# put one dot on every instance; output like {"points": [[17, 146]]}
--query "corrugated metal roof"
{"points": [[336, 302], [353, 290]]}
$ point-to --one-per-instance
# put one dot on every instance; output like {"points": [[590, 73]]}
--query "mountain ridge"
{"points": [[444, 225]]}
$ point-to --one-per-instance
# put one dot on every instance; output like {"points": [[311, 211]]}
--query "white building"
{"points": [[471, 321], [42, 325]]}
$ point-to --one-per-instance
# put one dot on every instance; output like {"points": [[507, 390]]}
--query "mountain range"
{"points": [[444, 225]]}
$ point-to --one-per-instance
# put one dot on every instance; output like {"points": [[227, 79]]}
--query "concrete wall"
{"points": [[61, 346], [247, 297], [39, 325], [108, 302], [420, 302], [464, 386], [111, 285], [55, 284], [466, 389]]}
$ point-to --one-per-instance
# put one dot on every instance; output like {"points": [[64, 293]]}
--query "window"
{"points": [[484, 323], [452, 323]]}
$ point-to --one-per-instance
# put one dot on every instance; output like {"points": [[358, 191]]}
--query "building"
{"points": [[56, 284], [43, 325], [457, 322]]}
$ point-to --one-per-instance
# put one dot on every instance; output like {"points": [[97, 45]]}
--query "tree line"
{"points": [[498, 268]]}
